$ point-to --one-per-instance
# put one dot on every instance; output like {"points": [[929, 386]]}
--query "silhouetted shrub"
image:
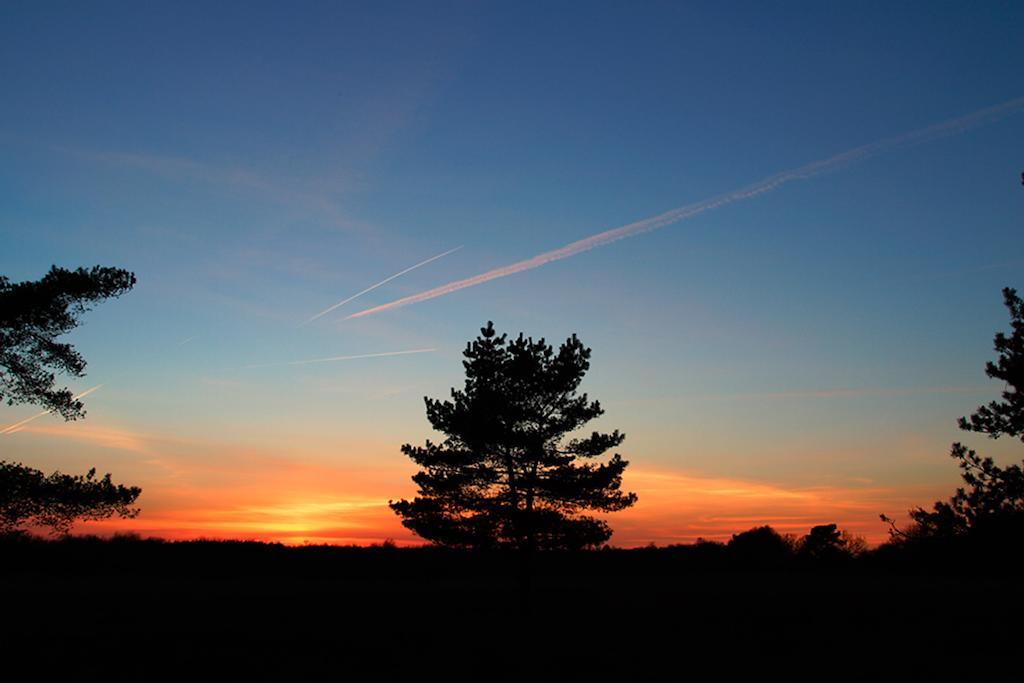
{"points": [[824, 544], [761, 547]]}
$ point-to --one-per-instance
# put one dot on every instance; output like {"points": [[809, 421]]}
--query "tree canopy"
{"points": [[992, 502], [1006, 416], [32, 315], [508, 473], [30, 498]]}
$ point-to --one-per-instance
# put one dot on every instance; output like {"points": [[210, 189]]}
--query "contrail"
{"points": [[10, 429], [939, 130], [337, 358], [382, 282]]}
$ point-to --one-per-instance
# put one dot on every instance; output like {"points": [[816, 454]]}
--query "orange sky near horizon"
{"points": [[298, 496]]}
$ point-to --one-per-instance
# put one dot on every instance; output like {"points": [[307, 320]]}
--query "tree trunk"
{"points": [[526, 552]]}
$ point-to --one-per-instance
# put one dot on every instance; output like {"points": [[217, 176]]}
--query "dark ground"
{"points": [[131, 610]]}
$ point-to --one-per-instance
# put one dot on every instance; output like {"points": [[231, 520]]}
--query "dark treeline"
{"points": [[132, 609], [760, 549]]}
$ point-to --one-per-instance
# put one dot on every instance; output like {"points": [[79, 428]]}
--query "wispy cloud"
{"points": [[17, 426], [939, 130], [849, 393], [100, 435], [236, 178], [679, 507], [333, 359], [379, 284]]}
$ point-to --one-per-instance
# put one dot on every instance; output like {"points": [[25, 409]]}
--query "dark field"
{"points": [[133, 610]]}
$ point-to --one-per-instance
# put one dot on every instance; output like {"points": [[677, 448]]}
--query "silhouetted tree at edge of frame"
{"points": [[29, 497], [991, 506], [32, 315]]}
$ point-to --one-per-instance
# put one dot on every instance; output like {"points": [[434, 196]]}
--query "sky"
{"points": [[785, 349]]}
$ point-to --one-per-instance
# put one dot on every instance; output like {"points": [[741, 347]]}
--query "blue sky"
{"points": [[256, 163]]}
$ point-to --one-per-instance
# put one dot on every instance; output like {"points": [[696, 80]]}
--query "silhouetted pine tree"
{"points": [[991, 505], [506, 475]]}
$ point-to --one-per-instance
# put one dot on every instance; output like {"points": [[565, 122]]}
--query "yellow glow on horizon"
{"points": [[672, 508], [197, 488]]}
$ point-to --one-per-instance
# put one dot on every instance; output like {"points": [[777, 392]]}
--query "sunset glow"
{"points": [[234, 491], [781, 231]]}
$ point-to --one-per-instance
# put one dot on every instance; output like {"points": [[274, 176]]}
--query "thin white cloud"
{"points": [[237, 178], [850, 393], [333, 359], [939, 130], [379, 284]]}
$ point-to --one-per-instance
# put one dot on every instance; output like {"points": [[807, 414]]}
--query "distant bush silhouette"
{"points": [[824, 543], [855, 545], [761, 547]]}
